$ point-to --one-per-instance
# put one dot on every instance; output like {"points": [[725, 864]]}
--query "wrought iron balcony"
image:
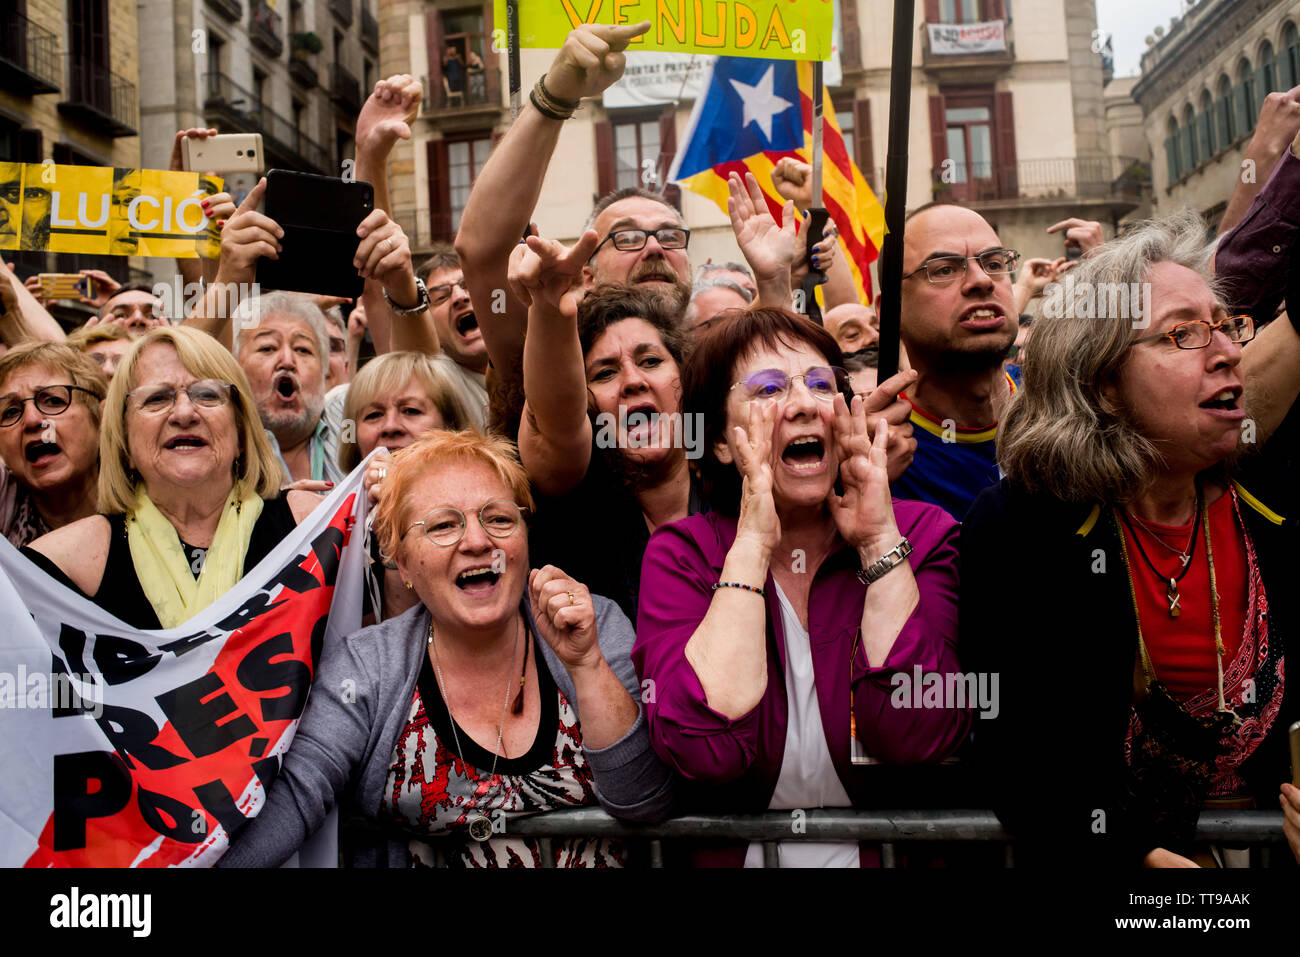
{"points": [[266, 28], [232, 10], [344, 89], [29, 57], [477, 91], [1100, 177], [303, 70], [99, 98], [343, 10], [231, 106], [369, 31]]}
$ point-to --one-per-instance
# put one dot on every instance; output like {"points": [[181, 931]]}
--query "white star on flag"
{"points": [[761, 103]]}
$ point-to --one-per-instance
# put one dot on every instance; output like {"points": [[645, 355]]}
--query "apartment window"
{"points": [[1267, 75], [844, 116], [216, 49], [299, 114], [367, 78], [259, 91], [295, 18], [454, 164], [1224, 119], [959, 11], [636, 149], [973, 145], [1245, 102]]}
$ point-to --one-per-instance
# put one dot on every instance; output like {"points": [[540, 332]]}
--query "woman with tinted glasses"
{"points": [[1144, 676], [796, 609], [503, 692], [189, 490], [50, 401]]}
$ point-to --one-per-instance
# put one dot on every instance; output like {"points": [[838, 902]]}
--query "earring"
{"points": [[409, 585]]}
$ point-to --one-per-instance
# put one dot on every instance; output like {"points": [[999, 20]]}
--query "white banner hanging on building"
{"points": [[950, 38]]}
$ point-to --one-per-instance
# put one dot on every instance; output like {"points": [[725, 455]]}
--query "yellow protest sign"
{"points": [[772, 29], [99, 210]]}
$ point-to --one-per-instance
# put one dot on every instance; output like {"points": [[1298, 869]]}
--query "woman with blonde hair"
{"points": [[189, 489], [502, 692], [392, 401], [1141, 614]]}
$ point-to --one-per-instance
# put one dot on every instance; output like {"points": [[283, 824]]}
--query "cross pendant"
{"points": [[1171, 593]]}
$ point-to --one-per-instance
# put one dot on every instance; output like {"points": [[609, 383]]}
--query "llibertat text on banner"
{"points": [[131, 748]]}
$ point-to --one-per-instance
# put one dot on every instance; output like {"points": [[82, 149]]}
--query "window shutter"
{"points": [[433, 40], [1261, 86], [1004, 119], [994, 10], [1205, 135], [667, 153], [439, 191], [492, 61], [850, 36], [1285, 70], [1186, 149], [863, 147], [1171, 158], [1243, 118], [931, 11], [1223, 121], [605, 177], [938, 137]]}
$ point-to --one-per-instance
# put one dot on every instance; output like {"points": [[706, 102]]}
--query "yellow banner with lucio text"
{"points": [[99, 210], [773, 29]]}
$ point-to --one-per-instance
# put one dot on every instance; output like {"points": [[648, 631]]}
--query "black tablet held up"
{"points": [[319, 216]]}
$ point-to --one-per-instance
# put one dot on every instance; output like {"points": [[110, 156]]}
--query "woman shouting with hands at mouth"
{"points": [[776, 622]]}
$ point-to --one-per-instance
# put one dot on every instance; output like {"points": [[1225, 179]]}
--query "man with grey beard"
{"points": [[282, 344]]}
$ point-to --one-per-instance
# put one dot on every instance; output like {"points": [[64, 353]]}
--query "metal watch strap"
{"points": [[422, 303], [892, 558]]}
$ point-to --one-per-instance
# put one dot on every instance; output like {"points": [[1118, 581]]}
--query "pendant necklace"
{"points": [[1171, 584], [1184, 554], [480, 827]]}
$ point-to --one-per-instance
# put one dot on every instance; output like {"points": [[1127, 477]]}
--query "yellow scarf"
{"points": [[163, 569]]}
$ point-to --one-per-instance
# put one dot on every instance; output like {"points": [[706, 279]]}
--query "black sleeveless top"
{"points": [[120, 593]]}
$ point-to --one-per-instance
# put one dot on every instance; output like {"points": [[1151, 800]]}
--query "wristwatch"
{"points": [[418, 308], [877, 569]]}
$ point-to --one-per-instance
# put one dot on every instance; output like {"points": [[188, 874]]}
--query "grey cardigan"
{"points": [[360, 701]]}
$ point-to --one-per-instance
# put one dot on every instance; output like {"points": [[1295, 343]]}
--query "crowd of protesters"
{"points": [[638, 474]]}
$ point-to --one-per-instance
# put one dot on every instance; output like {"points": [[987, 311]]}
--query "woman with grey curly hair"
{"points": [[1143, 677]]}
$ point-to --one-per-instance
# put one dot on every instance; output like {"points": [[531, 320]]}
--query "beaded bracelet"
{"points": [[549, 105], [756, 591]]}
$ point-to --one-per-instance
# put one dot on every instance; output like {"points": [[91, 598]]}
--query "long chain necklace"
{"points": [[1148, 669], [1171, 584], [480, 828]]}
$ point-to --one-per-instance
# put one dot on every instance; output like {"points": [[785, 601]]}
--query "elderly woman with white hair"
{"points": [[1142, 618], [189, 490]]}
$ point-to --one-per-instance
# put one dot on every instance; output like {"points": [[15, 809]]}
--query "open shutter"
{"points": [[433, 39], [1171, 159], [931, 11], [667, 153], [863, 147], [1186, 149], [850, 35], [1222, 123], [491, 59], [1261, 85], [605, 176], [938, 138], [1286, 69], [1243, 118], [439, 190], [1004, 119], [994, 10], [1205, 135]]}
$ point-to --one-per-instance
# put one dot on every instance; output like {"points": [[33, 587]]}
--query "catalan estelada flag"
{"points": [[753, 113]]}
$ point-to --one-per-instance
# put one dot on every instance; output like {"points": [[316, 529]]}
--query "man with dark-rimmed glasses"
{"points": [[959, 320]]}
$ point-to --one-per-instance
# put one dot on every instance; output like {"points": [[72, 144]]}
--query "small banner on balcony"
{"points": [[102, 211], [951, 38], [772, 29]]}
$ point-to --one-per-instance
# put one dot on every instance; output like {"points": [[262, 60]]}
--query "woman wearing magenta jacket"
{"points": [[757, 627]]}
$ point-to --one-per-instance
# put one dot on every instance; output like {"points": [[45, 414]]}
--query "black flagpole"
{"points": [[817, 214], [512, 55], [891, 256]]}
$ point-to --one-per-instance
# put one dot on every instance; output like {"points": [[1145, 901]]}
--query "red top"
{"points": [[1182, 648]]}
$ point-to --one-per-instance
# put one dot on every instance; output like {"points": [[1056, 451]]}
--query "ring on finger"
{"points": [[388, 245], [383, 472], [572, 600]]}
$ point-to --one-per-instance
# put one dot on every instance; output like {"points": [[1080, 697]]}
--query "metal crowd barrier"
{"points": [[886, 828]]}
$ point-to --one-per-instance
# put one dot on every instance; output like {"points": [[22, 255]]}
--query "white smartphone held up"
{"points": [[227, 153]]}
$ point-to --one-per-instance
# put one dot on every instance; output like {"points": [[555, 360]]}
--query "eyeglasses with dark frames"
{"points": [[632, 240], [48, 399], [945, 269], [1198, 333]]}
